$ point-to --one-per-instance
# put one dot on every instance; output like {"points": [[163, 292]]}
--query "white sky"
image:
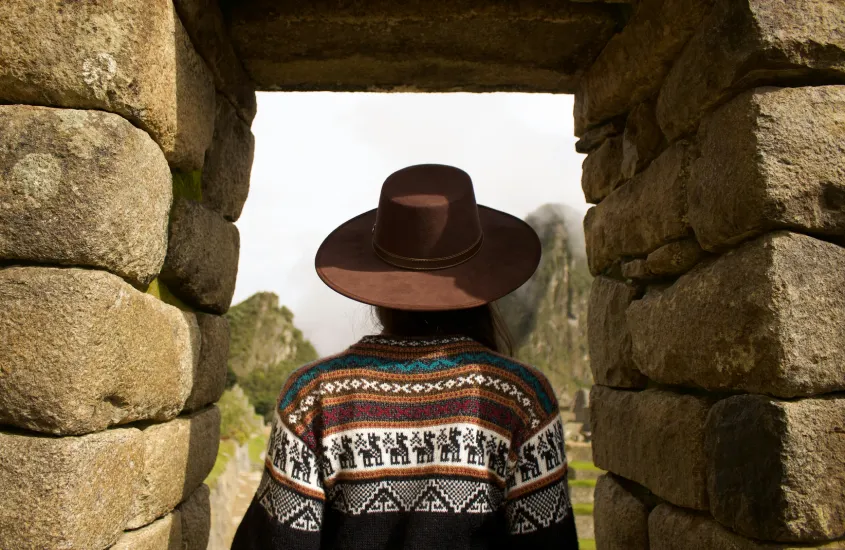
{"points": [[320, 159]]}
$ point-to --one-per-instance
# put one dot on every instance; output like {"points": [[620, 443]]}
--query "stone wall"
{"points": [[125, 152], [715, 133]]}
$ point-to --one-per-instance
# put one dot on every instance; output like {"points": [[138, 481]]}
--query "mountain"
{"points": [[265, 347], [547, 316]]}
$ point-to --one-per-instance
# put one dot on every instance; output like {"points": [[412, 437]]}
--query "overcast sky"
{"points": [[320, 159]]}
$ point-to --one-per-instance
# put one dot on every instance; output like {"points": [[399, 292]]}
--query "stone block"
{"points": [[162, 534], [675, 258], [655, 438], [780, 166], [642, 215], [68, 492], [204, 23], [228, 163], [126, 57], [592, 139], [210, 376], [671, 528], [82, 188], [775, 467], [767, 317], [611, 359], [637, 270], [635, 61], [196, 519], [81, 350], [642, 141], [600, 172], [621, 518], [202, 257], [178, 456], [746, 43]]}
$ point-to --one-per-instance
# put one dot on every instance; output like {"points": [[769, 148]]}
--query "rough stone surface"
{"points": [[776, 470], [204, 22], [81, 350], [632, 66], [443, 45], [674, 258], [591, 139], [637, 270], [642, 215], [672, 528], [610, 342], [127, 57], [228, 163], [69, 492], [162, 534], [196, 519], [202, 257], [745, 43], [210, 375], [600, 172], [768, 317], [621, 518], [642, 141], [178, 456], [82, 188], [780, 165], [655, 438]]}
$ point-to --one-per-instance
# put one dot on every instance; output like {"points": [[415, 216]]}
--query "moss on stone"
{"points": [[160, 291], [188, 185]]}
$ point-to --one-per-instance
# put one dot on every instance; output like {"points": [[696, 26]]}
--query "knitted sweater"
{"points": [[416, 443]]}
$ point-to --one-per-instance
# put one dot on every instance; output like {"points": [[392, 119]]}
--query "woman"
{"points": [[424, 436]]}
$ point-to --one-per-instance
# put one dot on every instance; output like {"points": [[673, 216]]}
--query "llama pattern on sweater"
{"points": [[396, 425]]}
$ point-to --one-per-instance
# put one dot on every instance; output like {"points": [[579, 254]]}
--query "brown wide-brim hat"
{"points": [[428, 246]]}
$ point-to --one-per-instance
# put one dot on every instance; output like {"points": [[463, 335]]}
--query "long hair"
{"points": [[484, 324]]}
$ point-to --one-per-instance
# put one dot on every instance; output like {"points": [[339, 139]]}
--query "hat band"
{"points": [[428, 264]]}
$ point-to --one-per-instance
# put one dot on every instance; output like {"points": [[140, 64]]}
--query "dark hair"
{"points": [[484, 324]]}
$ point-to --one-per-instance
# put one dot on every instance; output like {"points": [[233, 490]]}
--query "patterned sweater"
{"points": [[415, 443]]}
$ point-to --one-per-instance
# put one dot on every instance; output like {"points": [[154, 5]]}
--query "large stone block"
{"points": [[642, 215], [746, 43], [127, 57], [202, 257], [228, 163], [82, 188], [671, 528], [655, 438], [768, 317], [600, 172], [196, 519], [642, 141], [621, 517], [675, 258], [205, 25], [209, 378], [68, 492], [781, 165], [178, 456], [632, 66], [81, 350], [162, 534], [610, 341], [775, 467]]}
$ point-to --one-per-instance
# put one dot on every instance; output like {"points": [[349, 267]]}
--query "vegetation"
{"points": [[591, 483], [547, 316], [224, 453], [587, 544], [238, 421], [263, 386], [256, 446], [583, 509], [584, 465]]}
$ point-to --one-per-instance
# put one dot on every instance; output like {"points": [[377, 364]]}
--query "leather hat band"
{"points": [[428, 264]]}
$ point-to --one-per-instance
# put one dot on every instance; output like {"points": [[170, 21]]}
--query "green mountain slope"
{"points": [[547, 316]]}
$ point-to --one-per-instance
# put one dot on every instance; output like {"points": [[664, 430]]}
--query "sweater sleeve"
{"points": [[287, 509], [537, 505]]}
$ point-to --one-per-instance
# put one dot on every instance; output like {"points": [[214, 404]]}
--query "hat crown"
{"points": [[427, 212]]}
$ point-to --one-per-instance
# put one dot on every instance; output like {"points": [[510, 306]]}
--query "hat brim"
{"points": [[508, 257]]}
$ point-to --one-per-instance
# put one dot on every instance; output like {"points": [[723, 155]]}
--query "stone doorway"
{"points": [[714, 132]]}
